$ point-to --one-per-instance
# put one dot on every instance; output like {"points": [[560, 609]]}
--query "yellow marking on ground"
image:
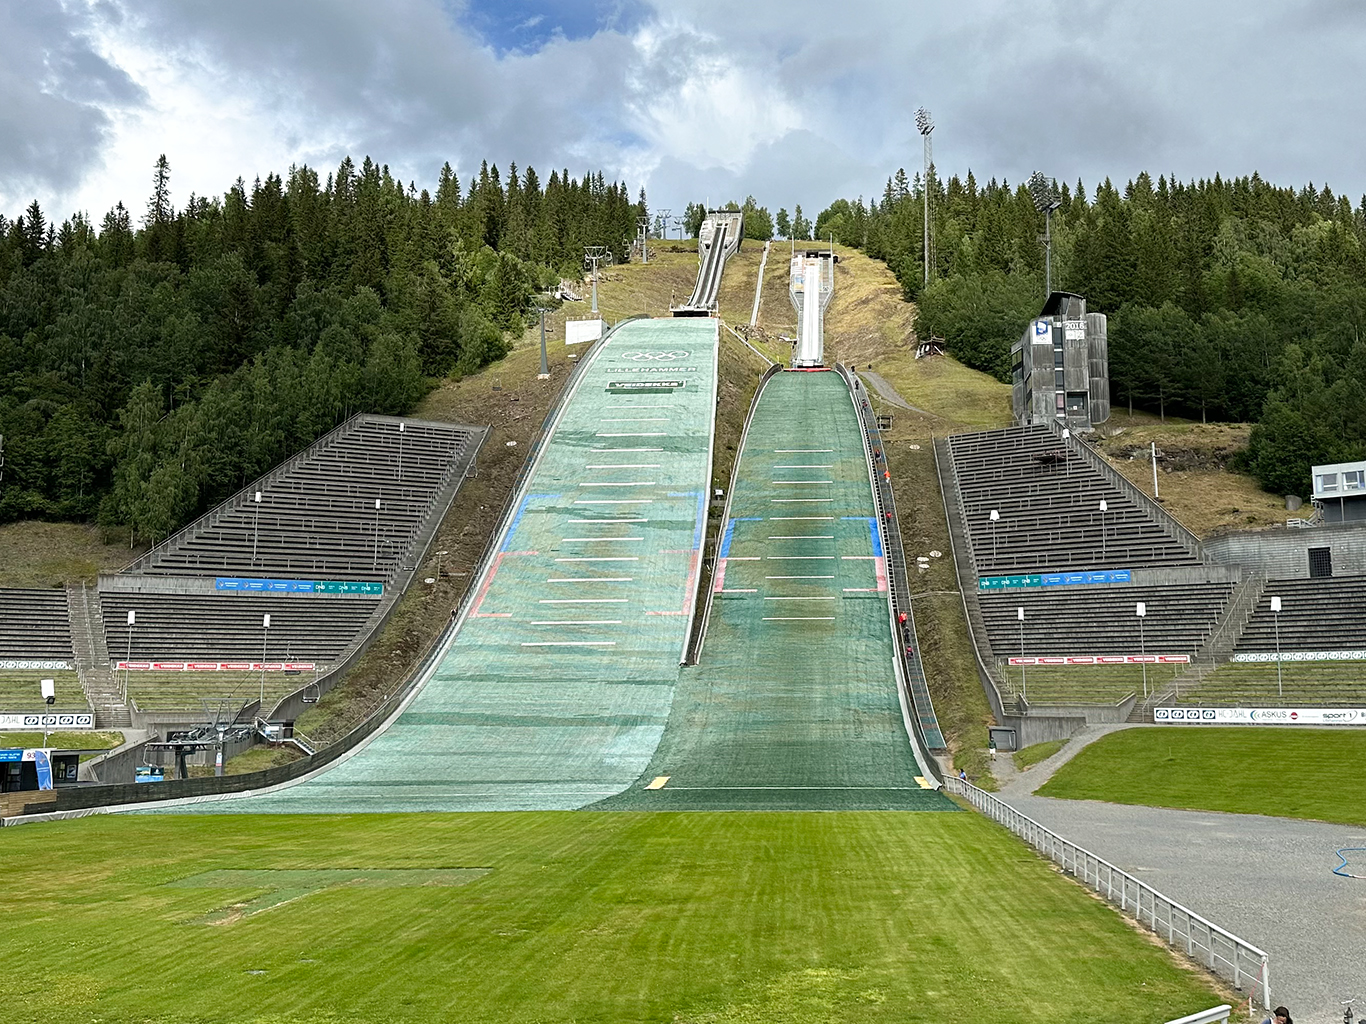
{"points": [[923, 782], [659, 782]]}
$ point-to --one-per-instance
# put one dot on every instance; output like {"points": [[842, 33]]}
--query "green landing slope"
{"points": [[793, 704], [557, 686]]}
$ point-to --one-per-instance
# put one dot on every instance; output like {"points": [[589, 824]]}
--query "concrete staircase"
{"points": [[102, 690], [1216, 650]]}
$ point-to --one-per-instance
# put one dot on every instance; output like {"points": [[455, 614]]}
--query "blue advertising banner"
{"points": [[44, 766], [1008, 582], [267, 586], [1071, 579], [12, 754]]}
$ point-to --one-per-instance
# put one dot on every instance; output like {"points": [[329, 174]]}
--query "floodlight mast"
{"points": [[925, 125], [1044, 192]]}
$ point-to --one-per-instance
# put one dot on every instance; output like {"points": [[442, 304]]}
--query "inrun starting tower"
{"points": [[812, 284]]}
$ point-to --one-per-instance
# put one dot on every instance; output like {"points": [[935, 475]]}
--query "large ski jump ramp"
{"points": [[554, 691], [794, 701]]}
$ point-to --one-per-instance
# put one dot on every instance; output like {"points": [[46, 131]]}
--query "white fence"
{"points": [[1239, 962]]}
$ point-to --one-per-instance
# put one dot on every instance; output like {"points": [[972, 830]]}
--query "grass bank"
{"points": [[1287, 772]]}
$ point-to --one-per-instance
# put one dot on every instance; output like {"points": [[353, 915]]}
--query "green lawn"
{"points": [[1032, 755], [683, 917], [1292, 773]]}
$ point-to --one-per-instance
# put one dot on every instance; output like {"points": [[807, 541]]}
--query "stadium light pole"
{"points": [[375, 563], [545, 364], [132, 619], [255, 526], [1067, 449], [439, 556], [995, 518], [265, 630], [1044, 192], [1142, 611], [1104, 507], [925, 125], [401, 432], [1019, 614], [1276, 611]]}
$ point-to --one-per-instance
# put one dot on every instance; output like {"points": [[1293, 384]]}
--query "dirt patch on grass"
{"points": [[42, 555]]}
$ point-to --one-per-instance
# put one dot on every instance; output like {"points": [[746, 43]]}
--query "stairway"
{"points": [[92, 658], [1216, 650]]}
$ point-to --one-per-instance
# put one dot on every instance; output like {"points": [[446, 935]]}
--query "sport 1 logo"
{"points": [[656, 357]]}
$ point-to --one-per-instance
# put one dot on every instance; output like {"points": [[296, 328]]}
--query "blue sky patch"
{"points": [[528, 25]]}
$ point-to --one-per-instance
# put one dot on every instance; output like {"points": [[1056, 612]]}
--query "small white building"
{"points": [[1340, 492]]}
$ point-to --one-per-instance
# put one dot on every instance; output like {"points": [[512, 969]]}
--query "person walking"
{"points": [[1280, 1015]]}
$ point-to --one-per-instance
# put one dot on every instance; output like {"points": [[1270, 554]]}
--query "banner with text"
{"points": [[1261, 716], [268, 586], [1107, 659], [47, 720], [215, 666]]}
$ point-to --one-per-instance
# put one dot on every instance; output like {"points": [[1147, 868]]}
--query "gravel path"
{"points": [[1268, 880], [884, 388]]}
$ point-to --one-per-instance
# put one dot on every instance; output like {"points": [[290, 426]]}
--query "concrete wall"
{"points": [[1283, 553]]}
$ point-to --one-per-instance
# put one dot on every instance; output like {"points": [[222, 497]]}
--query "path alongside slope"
{"points": [[794, 701]]}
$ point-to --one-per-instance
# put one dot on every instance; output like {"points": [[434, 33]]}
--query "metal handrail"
{"points": [[1218, 949]]}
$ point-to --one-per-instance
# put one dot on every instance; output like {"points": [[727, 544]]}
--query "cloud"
{"points": [[57, 97], [789, 101]]}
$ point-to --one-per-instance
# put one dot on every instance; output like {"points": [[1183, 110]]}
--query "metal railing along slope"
{"points": [[1223, 953]]}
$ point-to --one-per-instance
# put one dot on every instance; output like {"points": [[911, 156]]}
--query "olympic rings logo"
{"points": [[656, 357]]}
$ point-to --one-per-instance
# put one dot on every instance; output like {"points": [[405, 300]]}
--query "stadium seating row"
{"points": [[1316, 615], [34, 625]]}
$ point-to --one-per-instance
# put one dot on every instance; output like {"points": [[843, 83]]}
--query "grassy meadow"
{"points": [[1287, 772], [569, 916]]}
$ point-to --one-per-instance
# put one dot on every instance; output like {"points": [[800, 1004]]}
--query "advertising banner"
{"points": [[1107, 659], [576, 332], [215, 666], [1072, 579], [21, 665], [252, 585], [619, 387], [50, 720], [1261, 716], [1009, 582], [1263, 656], [43, 764]]}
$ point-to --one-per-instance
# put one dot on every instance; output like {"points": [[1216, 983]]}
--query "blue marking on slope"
{"points": [[872, 532], [517, 519], [730, 532]]}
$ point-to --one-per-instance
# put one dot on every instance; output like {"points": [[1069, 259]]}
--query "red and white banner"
{"points": [[215, 666], [1108, 659]]}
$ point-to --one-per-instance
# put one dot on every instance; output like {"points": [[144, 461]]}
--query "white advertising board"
{"points": [[1261, 716], [47, 720], [576, 332]]}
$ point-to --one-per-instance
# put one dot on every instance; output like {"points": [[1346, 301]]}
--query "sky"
{"points": [[793, 102]]}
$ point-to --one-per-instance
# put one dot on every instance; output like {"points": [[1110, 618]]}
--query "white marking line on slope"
{"points": [[857, 558], [624, 483], [582, 600], [576, 622], [743, 558], [793, 483], [790, 519], [788, 501], [601, 558], [599, 540], [799, 618], [639, 419], [802, 451], [624, 465], [604, 448], [644, 433], [740, 590], [614, 501], [799, 599], [570, 643], [828, 465], [799, 578], [801, 536], [800, 558], [590, 579], [609, 520]]}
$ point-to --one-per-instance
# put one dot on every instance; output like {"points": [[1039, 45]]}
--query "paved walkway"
{"points": [[1267, 880]]}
